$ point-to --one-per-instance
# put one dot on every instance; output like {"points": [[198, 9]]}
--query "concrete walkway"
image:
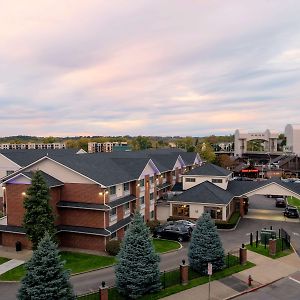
{"points": [[266, 271], [11, 253], [11, 264]]}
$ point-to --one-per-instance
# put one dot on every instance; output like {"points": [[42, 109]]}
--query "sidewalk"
{"points": [[265, 271], [11, 264], [11, 253]]}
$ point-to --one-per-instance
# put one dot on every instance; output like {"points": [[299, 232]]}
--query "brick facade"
{"points": [[83, 241]]}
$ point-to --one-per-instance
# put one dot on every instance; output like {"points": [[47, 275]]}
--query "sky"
{"points": [[167, 67]]}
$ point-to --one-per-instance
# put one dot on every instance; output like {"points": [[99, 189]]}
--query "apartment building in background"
{"points": [[26, 146], [94, 147], [94, 195]]}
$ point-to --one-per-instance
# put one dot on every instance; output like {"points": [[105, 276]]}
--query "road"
{"points": [[287, 289], [231, 240]]}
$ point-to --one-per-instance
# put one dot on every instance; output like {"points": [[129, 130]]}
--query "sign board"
{"points": [[209, 269]]}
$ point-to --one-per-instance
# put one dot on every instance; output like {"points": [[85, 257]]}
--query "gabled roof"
{"points": [[50, 181], [205, 192], [210, 170], [28, 156], [239, 188]]}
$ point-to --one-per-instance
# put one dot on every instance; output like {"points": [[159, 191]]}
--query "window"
{"points": [[151, 196], [173, 173], [113, 212], [112, 190], [142, 182], [126, 186], [188, 179], [151, 179], [152, 214], [216, 180], [127, 206], [142, 200], [9, 172]]}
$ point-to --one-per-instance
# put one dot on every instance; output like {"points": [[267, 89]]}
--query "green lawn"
{"points": [[294, 202], [3, 260], [81, 262], [162, 246], [76, 262], [265, 251]]}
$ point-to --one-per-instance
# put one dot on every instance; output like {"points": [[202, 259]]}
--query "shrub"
{"points": [[153, 224], [113, 247], [230, 223]]}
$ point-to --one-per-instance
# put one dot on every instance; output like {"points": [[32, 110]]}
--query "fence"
{"points": [[169, 278], [285, 239]]}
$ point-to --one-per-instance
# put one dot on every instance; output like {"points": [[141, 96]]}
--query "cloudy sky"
{"points": [[165, 67]]}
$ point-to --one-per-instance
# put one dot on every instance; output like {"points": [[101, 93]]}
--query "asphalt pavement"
{"points": [[287, 288], [231, 240]]}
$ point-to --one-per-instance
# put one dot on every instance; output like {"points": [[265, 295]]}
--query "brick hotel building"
{"points": [[93, 195]]}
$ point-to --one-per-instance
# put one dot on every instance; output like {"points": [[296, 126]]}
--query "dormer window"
{"points": [[216, 180], [189, 179], [112, 190]]}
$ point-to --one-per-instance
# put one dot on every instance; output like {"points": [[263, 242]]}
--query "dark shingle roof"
{"points": [[205, 192], [26, 157], [121, 201], [239, 188], [209, 169], [50, 181]]}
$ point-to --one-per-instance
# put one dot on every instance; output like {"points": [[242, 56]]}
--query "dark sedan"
{"points": [[280, 202], [291, 212], [172, 232]]}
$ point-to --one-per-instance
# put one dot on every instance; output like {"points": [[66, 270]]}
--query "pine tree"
{"points": [[137, 270], [38, 217], [205, 246], [45, 276]]}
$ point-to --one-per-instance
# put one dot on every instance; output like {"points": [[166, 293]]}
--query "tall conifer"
{"points": [[137, 270], [45, 276], [205, 246], [38, 217]]}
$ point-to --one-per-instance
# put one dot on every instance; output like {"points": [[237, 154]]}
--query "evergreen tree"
{"points": [[205, 246], [45, 276], [137, 270], [38, 217]]}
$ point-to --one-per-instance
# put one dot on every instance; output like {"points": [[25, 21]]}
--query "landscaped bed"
{"points": [[230, 223], [81, 262], [170, 282], [264, 250]]}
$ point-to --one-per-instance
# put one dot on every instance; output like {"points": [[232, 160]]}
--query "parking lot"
{"points": [[263, 208]]}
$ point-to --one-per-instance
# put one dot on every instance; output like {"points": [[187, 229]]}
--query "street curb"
{"points": [[232, 229], [171, 250], [89, 271], [253, 289]]}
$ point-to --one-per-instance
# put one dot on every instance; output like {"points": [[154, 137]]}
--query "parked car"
{"points": [[280, 202], [189, 224], [291, 212], [173, 232]]}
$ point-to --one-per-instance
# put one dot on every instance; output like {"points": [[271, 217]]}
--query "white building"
{"points": [[292, 133]]}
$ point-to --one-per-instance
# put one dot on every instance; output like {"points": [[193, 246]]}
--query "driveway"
{"points": [[262, 202]]}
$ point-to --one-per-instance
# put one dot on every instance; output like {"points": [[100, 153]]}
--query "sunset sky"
{"points": [[188, 67]]}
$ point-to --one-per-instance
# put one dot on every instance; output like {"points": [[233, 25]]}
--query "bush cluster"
{"points": [[113, 247]]}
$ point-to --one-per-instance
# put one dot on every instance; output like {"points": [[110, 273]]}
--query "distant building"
{"points": [[9, 146], [292, 133], [94, 147]]}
